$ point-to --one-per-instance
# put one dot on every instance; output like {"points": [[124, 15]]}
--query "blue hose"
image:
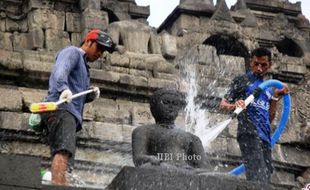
{"points": [[281, 125]]}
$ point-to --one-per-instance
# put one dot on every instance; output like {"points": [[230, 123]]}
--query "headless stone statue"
{"points": [[164, 144]]}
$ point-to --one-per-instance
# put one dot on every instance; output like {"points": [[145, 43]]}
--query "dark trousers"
{"points": [[257, 160], [61, 133], [256, 153]]}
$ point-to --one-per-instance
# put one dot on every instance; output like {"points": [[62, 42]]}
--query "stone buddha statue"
{"points": [[163, 143]]}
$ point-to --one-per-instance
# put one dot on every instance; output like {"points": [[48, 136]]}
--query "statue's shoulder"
{"points": [[192, 136], [145, 127]]}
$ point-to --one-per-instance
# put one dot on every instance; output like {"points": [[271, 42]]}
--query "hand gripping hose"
{"points": [[282, 123]]}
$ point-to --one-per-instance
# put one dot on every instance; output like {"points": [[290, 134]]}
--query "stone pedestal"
{"points": [[165, 179], [19, 172]]}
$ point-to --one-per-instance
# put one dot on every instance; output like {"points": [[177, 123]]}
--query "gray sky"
{"points": [[160, 9]]}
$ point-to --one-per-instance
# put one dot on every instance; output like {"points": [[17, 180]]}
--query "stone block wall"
{"points": [[33, 31]]}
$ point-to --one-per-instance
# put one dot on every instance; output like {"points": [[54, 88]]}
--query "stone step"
{"points": [[20, 170], [34, 67]]}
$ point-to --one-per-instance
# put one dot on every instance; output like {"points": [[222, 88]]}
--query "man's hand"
{"points": [[96, 91], [281, 92], [93, 95], [66, 95], [240, 104]]}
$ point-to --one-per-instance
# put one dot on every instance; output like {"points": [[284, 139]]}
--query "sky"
{"points": [[160, 9]]}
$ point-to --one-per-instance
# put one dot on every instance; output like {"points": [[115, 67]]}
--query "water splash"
{"points": [[211, 133], [197, 119]]}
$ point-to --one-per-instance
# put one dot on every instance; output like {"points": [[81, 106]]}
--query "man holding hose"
{"points": [[254, 123], [70, 75]]}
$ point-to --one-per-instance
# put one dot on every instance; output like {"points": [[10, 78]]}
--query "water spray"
{"points": [[213, 132], [284, 117]]}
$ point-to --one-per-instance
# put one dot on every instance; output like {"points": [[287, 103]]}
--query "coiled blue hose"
{"points": [[282, 123]]}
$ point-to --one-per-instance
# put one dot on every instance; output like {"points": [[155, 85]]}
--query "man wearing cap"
{"points": [[70, 75]]}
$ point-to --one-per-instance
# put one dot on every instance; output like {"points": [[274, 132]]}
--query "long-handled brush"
{"points": [[52, 106]]}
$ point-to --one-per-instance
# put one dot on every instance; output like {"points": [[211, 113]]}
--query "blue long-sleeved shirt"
{"points": [[70, 71], [258, 111]]}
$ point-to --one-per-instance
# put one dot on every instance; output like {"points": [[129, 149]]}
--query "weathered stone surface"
{"points": [[299, 69], [283, 178], [13, 100], [39, 4], [94, 177], [134, 9], [286, 154], [233, 148], [32, 95], [92, 18], [122, 70], [155, 46], [208, 2], [230, 67], [89, 4], [32, 149], [162, 178], [10, 60], [14, 121], [2, 25], [76, 39], [21, 171], [6, 41], [119, 60], [32, 40], [38, 61], [293, 131], [250, 19], [73, 22], [167, 76], [184, 24], [134, 36], [56, 39], [268, 6], [217, 147], [107, 157], [207, 55], [89, 112], [141, 114], [169, 46], [137, 61], [134, 80], [127, 132], [104, 75], [16, 25], [106, 131], [161, 83], [59, 187], [140, 73], [107, 110], [46, 19], [226, 182], [99, 63], [159, 65], [35, 4], [222, 12], [232, 128], [152, 178]]}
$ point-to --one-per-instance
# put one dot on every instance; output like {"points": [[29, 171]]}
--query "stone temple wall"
{"points": [[209, 39]]}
